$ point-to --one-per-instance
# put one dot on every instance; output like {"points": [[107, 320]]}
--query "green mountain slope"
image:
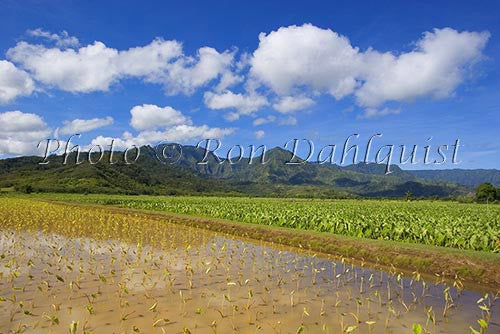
{"points": [[466, 177], [150, 175]]}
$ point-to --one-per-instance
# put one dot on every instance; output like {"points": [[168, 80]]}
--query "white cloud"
{"points": [[157, 124], [298, 59], [87, 69], [273, 119], [245, 104], [291, 66], [373, 112], [232, 116], [264, 120], [149, 61], [149, 117], [13, 82], [179, 134], [61, 40], [259, 134], [84, 125], [95, 67], [290, 103], [187, 74], [17, 121], [297, 56], [227, 80], [118, 143], [21, 132], [434, 68], [185, 133]]}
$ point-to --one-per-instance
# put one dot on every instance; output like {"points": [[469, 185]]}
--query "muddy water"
{"points": [[202, 282]]}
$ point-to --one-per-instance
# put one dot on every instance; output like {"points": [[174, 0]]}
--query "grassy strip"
{"points": [[471, 267]]}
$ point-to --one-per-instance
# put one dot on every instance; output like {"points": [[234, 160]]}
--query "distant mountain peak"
{"points": [[278, 153]]}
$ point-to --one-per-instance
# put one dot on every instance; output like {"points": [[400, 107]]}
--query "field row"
{"points": [[463, 226]]}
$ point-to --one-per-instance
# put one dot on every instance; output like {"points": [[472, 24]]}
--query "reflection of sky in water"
{"points": [[214, 259], [404, 287]]}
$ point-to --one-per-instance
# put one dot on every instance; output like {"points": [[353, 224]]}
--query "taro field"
{"points": [[68, 269], [438, 223]]}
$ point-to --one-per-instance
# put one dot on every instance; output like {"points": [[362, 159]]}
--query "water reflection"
{"points": [[199, 281]]}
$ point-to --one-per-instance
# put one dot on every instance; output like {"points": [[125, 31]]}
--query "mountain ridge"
{"points": [[186, 176]]}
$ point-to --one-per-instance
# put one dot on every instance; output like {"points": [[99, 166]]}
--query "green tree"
{"points": [[409, 196], [486, 192], [26, 188]]}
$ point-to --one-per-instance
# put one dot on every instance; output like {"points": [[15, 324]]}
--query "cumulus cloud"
{"points": [[434, 68], [157, 124], [150, 116], [307, 58], [245, 104], [13, 82], [84, 125], [291, 66], [149, 61], [306, 55], [179, 134], [90, 68], [188, 73], [290, 104], [87, 69], [95, 67], [21, 132]]}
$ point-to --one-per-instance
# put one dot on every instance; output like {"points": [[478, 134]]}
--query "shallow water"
{"points": [[192, 280]]}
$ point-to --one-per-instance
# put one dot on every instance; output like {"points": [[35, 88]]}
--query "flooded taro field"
{"points": [[67, 269]]}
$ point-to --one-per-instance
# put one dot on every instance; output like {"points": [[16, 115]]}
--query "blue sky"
{"points": [[321, 70]]}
